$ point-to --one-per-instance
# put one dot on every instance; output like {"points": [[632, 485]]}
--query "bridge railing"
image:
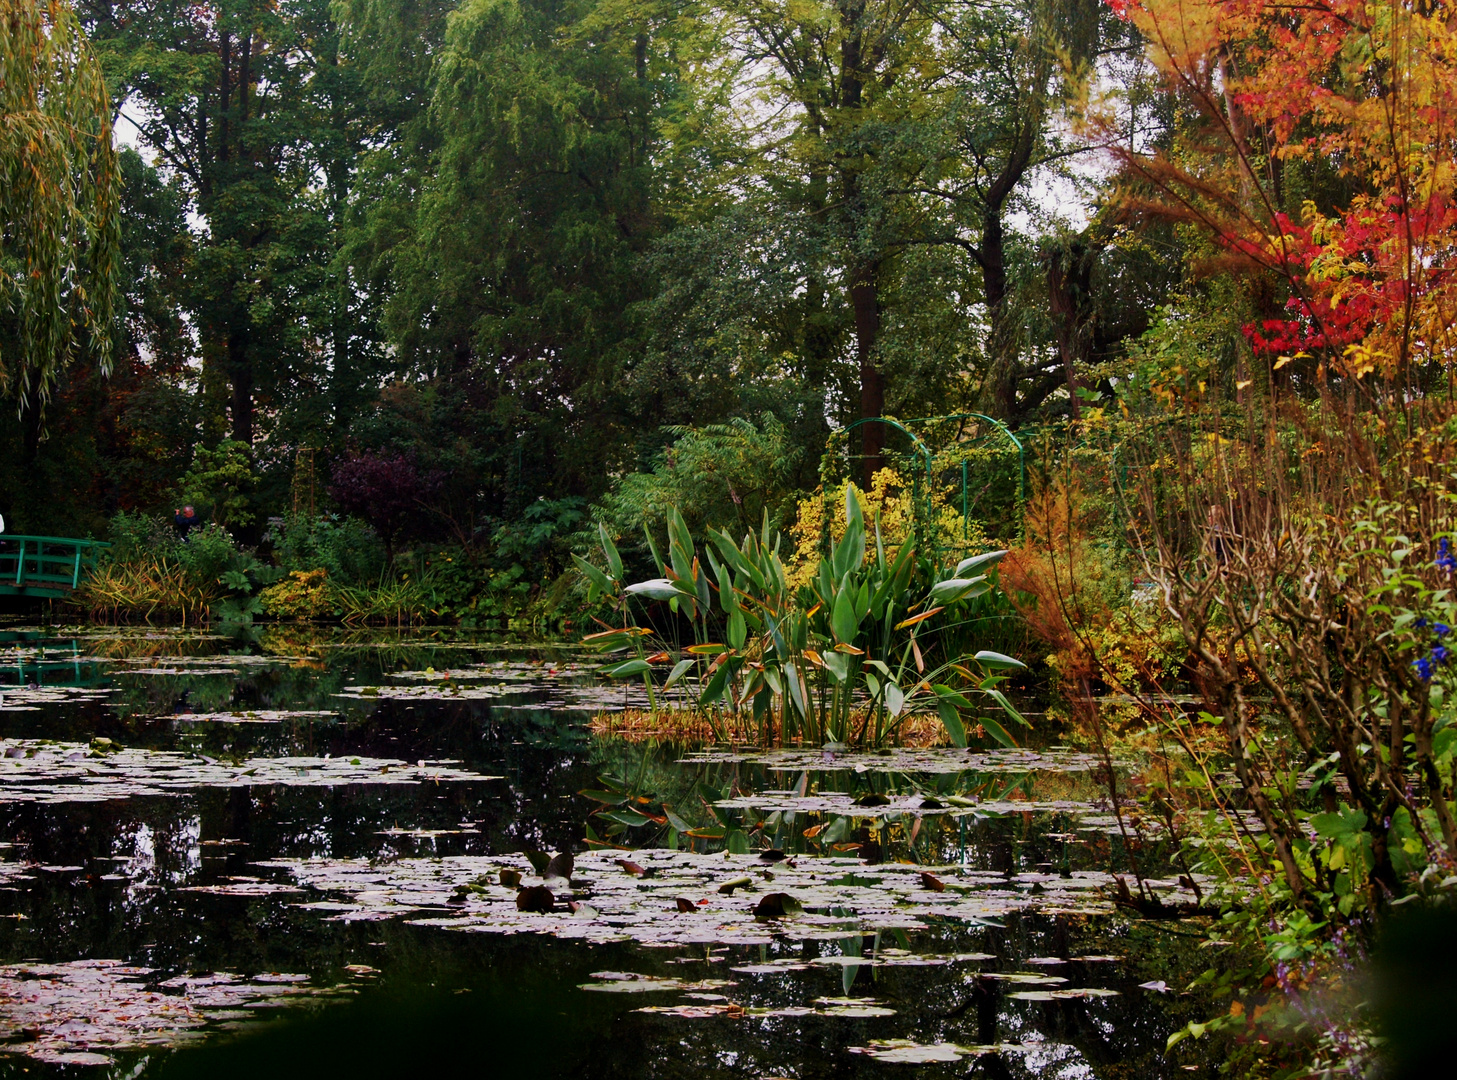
{"points": [[45, 562]]}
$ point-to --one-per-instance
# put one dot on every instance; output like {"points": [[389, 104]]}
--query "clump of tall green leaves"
{"points": [[845, 659]]}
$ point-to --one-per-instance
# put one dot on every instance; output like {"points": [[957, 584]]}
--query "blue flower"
{"points": [[1421, 624], [1439, 654], [1424, 669], [1446, 558], [1441, 629]]}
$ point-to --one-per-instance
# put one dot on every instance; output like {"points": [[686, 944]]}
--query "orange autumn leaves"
{"points": [[1323, 152]]}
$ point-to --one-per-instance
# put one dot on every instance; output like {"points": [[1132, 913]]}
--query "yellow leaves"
{"points": [[1361, 360], [922, 617], [891, 502]]}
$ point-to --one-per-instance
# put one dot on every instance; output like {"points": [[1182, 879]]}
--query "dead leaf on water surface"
{"points": [[777, 905], [932, 882]]}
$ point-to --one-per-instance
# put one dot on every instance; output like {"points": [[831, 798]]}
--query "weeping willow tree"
{"points": [[59, 192]]}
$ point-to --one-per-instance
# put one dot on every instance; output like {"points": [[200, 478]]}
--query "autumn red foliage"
{"points": [[1323, 154]]}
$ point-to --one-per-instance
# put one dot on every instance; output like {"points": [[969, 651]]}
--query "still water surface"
{"points": [[283, 854]]}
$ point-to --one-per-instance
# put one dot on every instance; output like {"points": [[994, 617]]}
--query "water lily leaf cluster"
{"points": [[81, 1012], [42, 771], [687, 898]]}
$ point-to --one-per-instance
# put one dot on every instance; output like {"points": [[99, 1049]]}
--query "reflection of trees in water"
{"points": [[546, 757]]}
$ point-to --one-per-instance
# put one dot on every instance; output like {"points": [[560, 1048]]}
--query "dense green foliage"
{"points": [[541, 251]]}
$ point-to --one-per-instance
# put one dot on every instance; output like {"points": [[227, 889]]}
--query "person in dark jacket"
{"points": [[186, 520]]}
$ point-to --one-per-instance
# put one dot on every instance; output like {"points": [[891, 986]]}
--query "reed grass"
{"points": [[144, 588], [391, 603]]}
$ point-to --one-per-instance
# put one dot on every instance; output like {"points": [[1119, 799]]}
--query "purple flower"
{"points": [[1445, 560], [1439, 654]]}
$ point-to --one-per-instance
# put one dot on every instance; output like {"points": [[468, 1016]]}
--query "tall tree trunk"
{"points": [[999, 395], [1069, 293], [865, 299], [864, 287], [240, 377]]}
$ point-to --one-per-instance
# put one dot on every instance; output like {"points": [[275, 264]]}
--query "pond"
{"points": [[324, 854]]}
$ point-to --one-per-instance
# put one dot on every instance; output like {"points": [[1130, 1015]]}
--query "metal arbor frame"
{"points": [[1005, 430]]}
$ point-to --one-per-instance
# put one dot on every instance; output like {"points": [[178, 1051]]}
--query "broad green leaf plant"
{"points": [[845, 660]]}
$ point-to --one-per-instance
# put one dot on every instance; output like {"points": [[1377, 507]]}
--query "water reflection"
{"points": [[172, 883]]}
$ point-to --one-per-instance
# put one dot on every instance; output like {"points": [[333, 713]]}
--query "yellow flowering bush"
{"points": [[890, 502]]}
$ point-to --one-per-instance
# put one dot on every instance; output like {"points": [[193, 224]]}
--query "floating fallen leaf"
{"points": [[777, 905], [537, 898]]}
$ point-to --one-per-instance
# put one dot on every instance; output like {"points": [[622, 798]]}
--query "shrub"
{"points": [[150, 570], [345, 547], [388, 491], [841, 659], [305, 594], [891, 504], [142, 588], [220, 481], [399, 603], [461, 585], [725, 476]]}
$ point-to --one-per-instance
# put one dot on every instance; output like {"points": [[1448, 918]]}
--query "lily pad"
{"points": [[77, 1013], [42, 771], [839, 896], [904, 760]]}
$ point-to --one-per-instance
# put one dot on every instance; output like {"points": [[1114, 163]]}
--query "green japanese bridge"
{"points": [[44, 566]]}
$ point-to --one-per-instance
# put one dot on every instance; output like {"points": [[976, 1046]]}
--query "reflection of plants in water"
{"points": [[122, 645], [646, 799], [150, 694]]}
